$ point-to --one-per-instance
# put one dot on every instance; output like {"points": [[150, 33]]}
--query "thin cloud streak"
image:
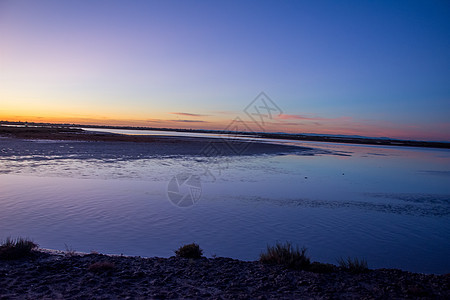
{"points": [[186, 121], [188, 114]]}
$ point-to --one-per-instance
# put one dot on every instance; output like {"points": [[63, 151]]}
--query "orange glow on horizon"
{"points": [[339, 126]]}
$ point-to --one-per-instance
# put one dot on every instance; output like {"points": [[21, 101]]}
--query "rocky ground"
{"points": [[95, 276]]}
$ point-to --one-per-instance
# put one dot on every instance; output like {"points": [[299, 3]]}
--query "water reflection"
{"points": [[389, 205]]}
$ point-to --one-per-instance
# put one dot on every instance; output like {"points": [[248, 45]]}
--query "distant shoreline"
{"points": [[283, 136], [159, 144]]}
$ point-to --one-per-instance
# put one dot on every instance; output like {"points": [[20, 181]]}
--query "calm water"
{"points": [[390, 206]]}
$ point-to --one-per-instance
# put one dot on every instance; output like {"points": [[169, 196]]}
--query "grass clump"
{"points": [[100, 267], [286, 255], [353, 265], [189, 251], [69, 251], [16, 248]]}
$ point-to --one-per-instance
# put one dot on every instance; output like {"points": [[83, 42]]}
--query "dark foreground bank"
{"points": [[95, 276]]}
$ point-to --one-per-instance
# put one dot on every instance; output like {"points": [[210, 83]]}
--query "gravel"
{"points": [[96, 276]]}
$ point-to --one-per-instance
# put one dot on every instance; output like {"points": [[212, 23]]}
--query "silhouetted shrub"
{"points": [[16, 248], [189, 251], [286, 255], [353, 265]]}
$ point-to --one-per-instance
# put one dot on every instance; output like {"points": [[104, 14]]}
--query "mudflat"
{"points": [[146, 144]]}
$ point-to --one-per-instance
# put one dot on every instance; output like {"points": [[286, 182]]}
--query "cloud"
{"points": [[187, 121], [289, 123], [188, 114]]}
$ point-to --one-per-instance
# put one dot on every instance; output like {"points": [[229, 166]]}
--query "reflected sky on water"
{"points": [[389, 205]]}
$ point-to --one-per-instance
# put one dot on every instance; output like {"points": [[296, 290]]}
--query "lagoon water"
{"points": [[389, 205]]}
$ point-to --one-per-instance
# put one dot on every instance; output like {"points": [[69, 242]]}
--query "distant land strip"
{"points": [[4, 125]]}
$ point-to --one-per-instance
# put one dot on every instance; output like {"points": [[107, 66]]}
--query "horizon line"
{"points": [[130, 127]]}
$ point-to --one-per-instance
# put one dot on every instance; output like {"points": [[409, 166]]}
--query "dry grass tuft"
{"points": [[353, 265], [286, 255], [16, 248]]}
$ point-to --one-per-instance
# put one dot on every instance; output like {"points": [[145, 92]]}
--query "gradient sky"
{"points": [[374, 68]]}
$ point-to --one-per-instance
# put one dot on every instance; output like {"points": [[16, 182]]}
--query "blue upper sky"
{"points": [[379, 68]]}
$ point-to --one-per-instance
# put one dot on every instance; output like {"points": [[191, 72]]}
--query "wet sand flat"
{"points": [[17, 138]]}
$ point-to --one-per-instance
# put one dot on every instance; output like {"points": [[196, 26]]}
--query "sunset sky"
{"points": [[373, 68]]}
